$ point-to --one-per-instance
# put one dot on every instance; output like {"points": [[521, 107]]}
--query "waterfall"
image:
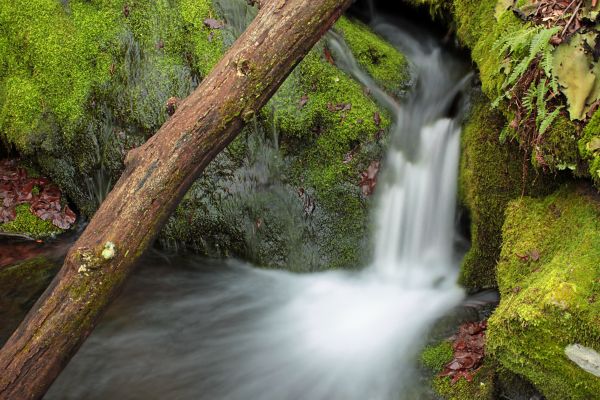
{"points": [[236, 332]]}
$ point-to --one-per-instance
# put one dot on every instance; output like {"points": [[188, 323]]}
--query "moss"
{"points": [[589, 147], [329, 134], [437, 356], [479, 25], [331, 148], [83, 81], [321, 139], [480, 388], [383, 62], [207, 44], [29, 224], [559, 149], [552, 299], [491, 174], [54, 57]]}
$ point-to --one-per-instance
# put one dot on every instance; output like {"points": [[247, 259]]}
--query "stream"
{"points": [[191, 328]]}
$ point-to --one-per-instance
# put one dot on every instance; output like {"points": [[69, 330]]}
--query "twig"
{"points": [[569, 6], [16, 236], [572, 18]]}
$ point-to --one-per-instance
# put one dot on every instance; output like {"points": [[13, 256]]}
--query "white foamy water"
{"points": [[235, 332]]}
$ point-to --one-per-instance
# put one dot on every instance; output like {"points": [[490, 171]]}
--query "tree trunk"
{"points": [[156, 177]]}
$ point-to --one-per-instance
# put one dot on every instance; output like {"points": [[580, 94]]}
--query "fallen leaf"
{"points": [[368, 179], [213, 23], [17, 188], [468, 351], [377, 118], [534, 255], [303, 101], [328, 56]]}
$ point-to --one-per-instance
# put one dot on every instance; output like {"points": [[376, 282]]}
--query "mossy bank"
{"points": [[83, 82]]}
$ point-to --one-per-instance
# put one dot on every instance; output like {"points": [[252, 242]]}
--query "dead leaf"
{"points": [[468, 351], [303, 101], [534, 255], [212, 23], [368, 179], [17, 188], [377, 118], [328, 56]]}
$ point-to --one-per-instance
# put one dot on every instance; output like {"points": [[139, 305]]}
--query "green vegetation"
{"points": [[491, 174], [327, 134], [54, 56], [384, 63], [589, 147], [83, 81], [328, 131], [480, 388], [29, 224], [505, 49], [549, 279], [435, 357]]}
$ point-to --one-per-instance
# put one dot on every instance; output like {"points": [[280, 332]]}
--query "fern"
{"points": [[517, 42], [545, 124], [529, 99], [523, 47], [540, 95], [539, 46], [536, 94]]}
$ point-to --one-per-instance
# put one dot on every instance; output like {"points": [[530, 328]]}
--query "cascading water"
{"points": [[244, 333]]}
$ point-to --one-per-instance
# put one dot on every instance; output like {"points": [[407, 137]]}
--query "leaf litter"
{"points": [[43, 197]]}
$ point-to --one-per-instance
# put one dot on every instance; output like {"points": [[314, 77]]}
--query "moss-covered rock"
{"points": [[84, 81], [435, 357], [549, 279], [388, 67], [482, 24], [589, 147], [491, 174], [481, 387], [286, 193]]}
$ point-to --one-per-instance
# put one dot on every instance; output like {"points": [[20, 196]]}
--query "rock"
{"points": [[558, 303], [588, 359]]}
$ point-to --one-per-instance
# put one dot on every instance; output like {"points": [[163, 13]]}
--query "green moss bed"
{"points": [[549, 279]]}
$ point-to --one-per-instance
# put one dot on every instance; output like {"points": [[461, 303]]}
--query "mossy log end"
{"points": [[156, 177]]}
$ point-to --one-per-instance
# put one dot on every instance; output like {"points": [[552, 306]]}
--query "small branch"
{"points": [[572, 18], [16, 236]]}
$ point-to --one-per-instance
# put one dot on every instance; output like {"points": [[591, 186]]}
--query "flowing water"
{"points": [[188, 328]]}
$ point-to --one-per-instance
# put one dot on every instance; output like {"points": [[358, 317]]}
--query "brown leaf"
{"points": [[468, 351], [213, 23], [303, 101], [377, 118], [7, 214], [534, 255], [368, 179], [328, 56], [65, 219]]}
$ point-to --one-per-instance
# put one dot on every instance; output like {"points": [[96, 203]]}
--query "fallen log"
{"points": [[156, 177]]}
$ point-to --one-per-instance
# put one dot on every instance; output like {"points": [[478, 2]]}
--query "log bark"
{"points": [[156, 177]]}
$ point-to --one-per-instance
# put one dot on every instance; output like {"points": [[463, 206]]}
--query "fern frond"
{"points": [[549, 120], [529, 98], [539, 45], [540, 95]]}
